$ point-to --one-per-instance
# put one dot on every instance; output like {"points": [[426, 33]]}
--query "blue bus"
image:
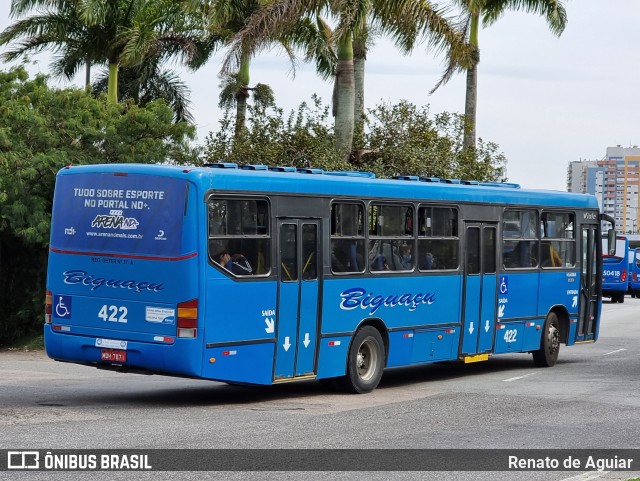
{"points": [[614, 270], [258, 275], [634, 272]]}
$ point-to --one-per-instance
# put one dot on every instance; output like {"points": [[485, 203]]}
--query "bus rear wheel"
{"points": [[365, 362], [547, 355]]}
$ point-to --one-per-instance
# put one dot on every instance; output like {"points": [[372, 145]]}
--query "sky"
{"points": [[545, 100]]}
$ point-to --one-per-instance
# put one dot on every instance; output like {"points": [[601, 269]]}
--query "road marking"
{"points": [[519, 377], [586, 476], [613, 352]]}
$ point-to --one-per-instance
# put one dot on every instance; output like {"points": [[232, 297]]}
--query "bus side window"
{"points": [[347, 237], [391, 237], [558, 244], [240, 227], [438, 242], [519, 239]]}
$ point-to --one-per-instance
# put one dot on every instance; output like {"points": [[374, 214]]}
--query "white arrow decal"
{"points": [[501, 310], [575, 301], [486, 326], [286, 344], [471, 328], [306, 341], [271, 328]]}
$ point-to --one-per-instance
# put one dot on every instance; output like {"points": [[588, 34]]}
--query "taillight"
{"points": [[48, 307], [188, 318], [624, 275]]}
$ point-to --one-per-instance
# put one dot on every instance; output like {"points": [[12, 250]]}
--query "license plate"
{"points": [[113, 355]]}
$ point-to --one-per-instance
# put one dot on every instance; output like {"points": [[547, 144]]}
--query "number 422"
{"points": [[113, 313]]}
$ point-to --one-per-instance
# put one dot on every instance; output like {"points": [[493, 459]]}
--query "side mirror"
{"points": [[611, 241], [611, 233]]}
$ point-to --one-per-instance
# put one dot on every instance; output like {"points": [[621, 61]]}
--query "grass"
{"points": [[32, 342]]}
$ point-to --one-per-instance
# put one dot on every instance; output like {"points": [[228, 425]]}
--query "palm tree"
{"points": [[136, 31], [223, 20], [406, 23], [406, 20], [148, 82], [58, 27], [489, 11], [119, 33]]}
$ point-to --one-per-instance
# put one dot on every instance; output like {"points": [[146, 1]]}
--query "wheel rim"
{"points": [[553, 339], [367, 360]]}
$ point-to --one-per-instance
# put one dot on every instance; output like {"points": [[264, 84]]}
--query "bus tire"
{"points": [[365, 362], [547, 355]]}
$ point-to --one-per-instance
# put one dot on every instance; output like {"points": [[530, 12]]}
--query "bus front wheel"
{"points": [[547, 355], [365, 362]]}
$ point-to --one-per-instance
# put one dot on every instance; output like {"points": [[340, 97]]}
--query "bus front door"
{"points": [[479, 288], [298, 286], [589, 284]]}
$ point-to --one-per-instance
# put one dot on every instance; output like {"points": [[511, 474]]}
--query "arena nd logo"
{"points": [[112, 221]]}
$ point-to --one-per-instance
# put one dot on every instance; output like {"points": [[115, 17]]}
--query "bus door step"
{"points": [[476, 358]]}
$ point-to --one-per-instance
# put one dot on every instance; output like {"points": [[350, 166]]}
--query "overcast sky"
{"points": [[545, 100]]}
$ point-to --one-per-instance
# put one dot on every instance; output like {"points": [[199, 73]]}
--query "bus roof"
{"points": [[263, 179]]}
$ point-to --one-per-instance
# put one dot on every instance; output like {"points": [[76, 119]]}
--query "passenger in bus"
{"points": [[377, 260], [392, 255], [427, 262], [240, 265], [224, 259], [379, 263], [236, 263], [406, 257]]}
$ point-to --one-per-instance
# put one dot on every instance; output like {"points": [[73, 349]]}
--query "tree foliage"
{"points": [[302, 139], [116, 33], [401, 139], [404, 139], [405, 21], [41, 131]]}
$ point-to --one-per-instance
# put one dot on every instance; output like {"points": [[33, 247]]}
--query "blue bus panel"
{"points": [[634, 272], [614, 271]]}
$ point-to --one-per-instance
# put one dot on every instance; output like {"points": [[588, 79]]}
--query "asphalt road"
{"points": [[589, 400]]}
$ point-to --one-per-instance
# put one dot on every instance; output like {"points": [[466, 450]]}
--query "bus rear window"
{"points": [[119, 214], [621, 248]]}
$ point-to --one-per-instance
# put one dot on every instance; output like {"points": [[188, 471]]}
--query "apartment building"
{"points": [[614, 181]]}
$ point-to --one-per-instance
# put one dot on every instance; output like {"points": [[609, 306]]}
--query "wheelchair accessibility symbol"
{"points": [[62, 307], [504, 285]]}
